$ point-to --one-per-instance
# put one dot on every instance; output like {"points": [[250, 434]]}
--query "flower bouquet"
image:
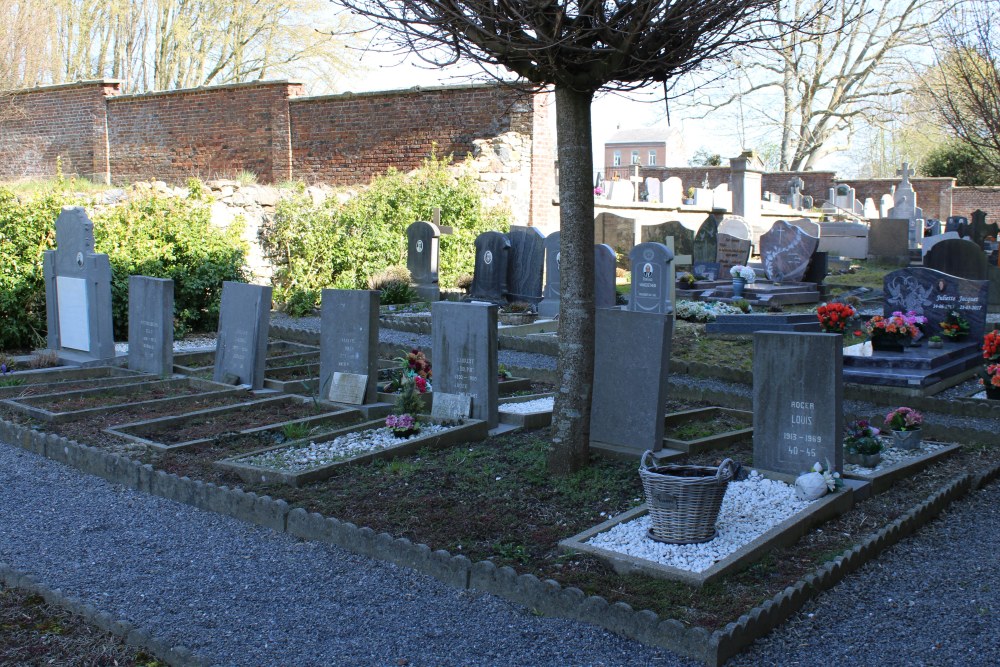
{"points": [[895, 331], [905, 425], [834, 317], [862, 445], [955, 326], [402, 426], [744, 273], [991, 371]]}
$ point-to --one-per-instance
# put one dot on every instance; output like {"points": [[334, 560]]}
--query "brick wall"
{"points": [[67, 121], [968, 199], [934, 195], [543, 163], [205, 132]]}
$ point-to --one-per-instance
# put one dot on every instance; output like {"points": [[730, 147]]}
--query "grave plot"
{"points": [[529, 411], [294, 378], [294, 416], [62, 374], [316, 459], [898, 464], [758, 515], [73, 405], [704, 429], [196, 363], [15, 389]]}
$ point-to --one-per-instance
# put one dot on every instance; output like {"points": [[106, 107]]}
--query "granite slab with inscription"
{"points": [[349, 341], [241, 345], [422, 253], [489, 282], [465, 355], [615, 230], [731, 251], [151, 325], [451, 406], [78, 292], [934, 295], [630, 380], [683, 237], [957, 257], [797, 401], [526, 264], [651, 278], [785, 251]]}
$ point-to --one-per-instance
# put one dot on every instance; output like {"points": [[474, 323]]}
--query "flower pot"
{"points": [[888, 343], [738, 285], [863, 460], [935, 344], [906, 439], [405, 432], [514, 319]]}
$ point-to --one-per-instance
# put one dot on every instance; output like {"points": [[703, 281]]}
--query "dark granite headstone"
{"points": [[78, 292], [151, 325], [525, 264], [630, 381], [241, 346], [616, 231], [785, 251], [889, 240], [818, 268], [958, 224], [605, 264], [732, 251], [348, 341], [683, 237], [549, 307], [797, 401], [934, 294], [489, 282], [979, 231], [932, 227], [465, 354], [651, 279], [422, 253], [709, 271], [706, 241], [957, 257]]}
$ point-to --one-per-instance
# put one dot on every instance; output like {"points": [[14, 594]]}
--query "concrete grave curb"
{"points": [[179, 655], [548, 596]]}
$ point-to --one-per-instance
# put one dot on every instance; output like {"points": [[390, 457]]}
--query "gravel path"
{"points": [[244, 595]]}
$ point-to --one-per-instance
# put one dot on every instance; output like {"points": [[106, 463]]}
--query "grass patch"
{"points": [[37, 186], [869, 274]]}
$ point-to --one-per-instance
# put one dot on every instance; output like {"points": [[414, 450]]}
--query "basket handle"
{"points": [[643, 462], [726, 471]]}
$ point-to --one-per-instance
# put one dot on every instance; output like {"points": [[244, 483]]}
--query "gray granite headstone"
{"points": [[348, 341], [451, 406], [422, 253], [489, 282], [709, 271], [934, 294], [632, 354], [888, 239], [525, 265], [957, 257], [731, 251], [78, 292], [785, 251], [706, 241], [615, 230], [549, 307], [151, 325], [798, 397], [241, 346], [465, 354], [932, 227], [683, 238], [651, 279], [931, 241], [958, 224], [605, 264], [810, 227]]}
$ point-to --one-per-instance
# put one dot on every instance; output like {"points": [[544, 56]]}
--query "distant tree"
{"points": [[962, 162], [577, 47], [705, 158]]}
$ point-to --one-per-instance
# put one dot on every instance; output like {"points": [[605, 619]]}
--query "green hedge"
{"points": [[342, 244], [148, 235]]}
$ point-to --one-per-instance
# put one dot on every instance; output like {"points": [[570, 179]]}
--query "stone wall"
{"points": [[968, 199]]}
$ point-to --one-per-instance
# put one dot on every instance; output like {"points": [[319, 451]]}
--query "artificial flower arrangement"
{"points": [[743, 273], [817, 482], [991, 346], [955, 326], [991, 353], [832, 478], [862, 438], [402, 426], [897, 324], [834, 317], [904, 419]]}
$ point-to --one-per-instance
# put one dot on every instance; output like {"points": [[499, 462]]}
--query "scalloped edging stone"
{"points": [[548, 596], [178, 655]]}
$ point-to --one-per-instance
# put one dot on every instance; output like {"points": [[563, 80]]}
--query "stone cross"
{"points": [[905, 172], [795, 185], [705, 183], [636, 180]]}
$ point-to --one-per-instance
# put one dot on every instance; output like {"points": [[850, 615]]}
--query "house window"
{"points": [[618, 159], [635, 157], [652, 159]]}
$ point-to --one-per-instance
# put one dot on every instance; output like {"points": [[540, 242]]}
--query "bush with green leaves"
{"points": [[341, 244]]}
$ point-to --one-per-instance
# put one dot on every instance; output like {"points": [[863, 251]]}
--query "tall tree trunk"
{"points": [[571, 414]]}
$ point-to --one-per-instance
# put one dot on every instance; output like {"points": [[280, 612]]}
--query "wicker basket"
{"points": [[684, 500]]}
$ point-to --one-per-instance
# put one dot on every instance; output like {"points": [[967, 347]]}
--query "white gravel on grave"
{"points": [[184, 345], [315, 454], [749, 509], [891, 456], [529, 407]]}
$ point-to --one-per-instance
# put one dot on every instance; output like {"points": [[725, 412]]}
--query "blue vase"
{"points": [[738, 285]]}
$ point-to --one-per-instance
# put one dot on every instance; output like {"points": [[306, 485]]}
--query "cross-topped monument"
{"points": [[905, 206], [795, 192], [905, 172]]}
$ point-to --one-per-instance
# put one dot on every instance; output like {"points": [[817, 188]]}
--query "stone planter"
{"points": [[906, 439], [514, 319], [889, 343], [935, 344], [863, 460]]}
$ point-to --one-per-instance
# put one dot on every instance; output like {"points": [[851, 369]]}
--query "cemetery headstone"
{"points": [[709, 270], [526, 264], [465, 354], [615, 230], [622, 192], [630, 382], [241, 346], [819, 268], [957, 257], [704, 198], [884, 205], [722, 198], [810, 227], [736, 226], [672, 190], [931, 241], [905, 205], [549, 306], [888, 240], [422, 253], [489, 280], [151, 325], [732, 251], [653, 192], [605, 264], [706, 241], [932, 227], [871, 210], [651, 279], [348, 353], [979, 231], [683, 239], [451, 406], [958, 224], [786, 251], [934, 294], [795, 186], [78, 292], [798, 413]]}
